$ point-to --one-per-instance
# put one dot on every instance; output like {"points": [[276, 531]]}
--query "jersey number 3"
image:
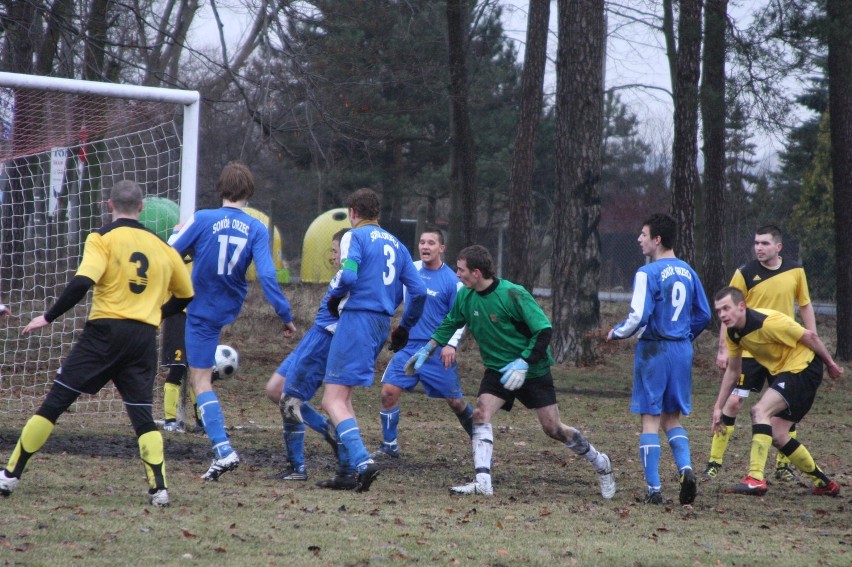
{"points": [[224, 240], [141, 261], [390, 256]]}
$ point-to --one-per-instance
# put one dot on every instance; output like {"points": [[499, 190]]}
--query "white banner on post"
{"points": [[58, 157]]}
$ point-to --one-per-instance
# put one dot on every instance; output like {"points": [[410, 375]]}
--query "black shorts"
{"points": [[173, 347], [120, 350], [537, 392], [753, 376], [799, 390]]}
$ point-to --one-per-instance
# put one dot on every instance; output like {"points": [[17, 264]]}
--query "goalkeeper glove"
{"points": [[514, 374], [415, 362], [398, 339], [333, 306]]}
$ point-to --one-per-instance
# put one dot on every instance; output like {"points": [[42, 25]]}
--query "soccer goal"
{"points": [[63, 144]]}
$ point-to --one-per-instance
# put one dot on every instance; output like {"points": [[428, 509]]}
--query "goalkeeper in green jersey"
{"points": [[513, 334]]}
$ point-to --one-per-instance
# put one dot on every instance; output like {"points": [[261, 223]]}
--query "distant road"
{"points": [[622, 297]]}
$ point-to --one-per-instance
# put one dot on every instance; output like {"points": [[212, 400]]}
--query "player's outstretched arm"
{"points": [[813, 342]]}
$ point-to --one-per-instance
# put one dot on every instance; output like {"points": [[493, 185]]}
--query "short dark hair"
{"points": [[365, 202], [478, 258], [235, 183], [433, 229], [735, 293], [126, 195], [664, 226], [772, 230], [338, 236]]}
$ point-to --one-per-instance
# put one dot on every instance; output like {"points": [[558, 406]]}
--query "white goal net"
{"points": [[63, 144]]}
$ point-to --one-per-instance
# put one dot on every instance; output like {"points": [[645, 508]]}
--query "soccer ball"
{"points": [[227, 362]]}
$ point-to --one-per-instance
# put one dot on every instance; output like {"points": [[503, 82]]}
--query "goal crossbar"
{"points": [[191, 115]]}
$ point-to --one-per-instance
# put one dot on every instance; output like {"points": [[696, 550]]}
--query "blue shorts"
{"points": [[358, 339], [202, 338], [662, 377], [305, 367], [437, 381]]}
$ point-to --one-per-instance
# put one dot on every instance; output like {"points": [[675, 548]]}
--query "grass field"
{"points": [[81, 501]]}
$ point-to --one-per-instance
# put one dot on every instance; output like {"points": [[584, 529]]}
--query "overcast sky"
{"points": [[635, 55]]}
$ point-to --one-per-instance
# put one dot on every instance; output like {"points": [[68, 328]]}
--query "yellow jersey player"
{"points": [[768, 282], [794, 357], [133, 273]]}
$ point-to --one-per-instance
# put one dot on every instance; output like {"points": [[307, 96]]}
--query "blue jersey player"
{"points": [[439, 373], [365, 293], [296, 381], [668, 310], [223, 243]]}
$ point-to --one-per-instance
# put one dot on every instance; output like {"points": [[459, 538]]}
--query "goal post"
{"points": [[63, 143]]}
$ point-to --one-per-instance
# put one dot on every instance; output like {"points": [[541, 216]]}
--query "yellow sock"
{"points": [[803, 460], [171, 393], [720, 444], [761, 440], [33, 437], [151, 451], [782, 460]]}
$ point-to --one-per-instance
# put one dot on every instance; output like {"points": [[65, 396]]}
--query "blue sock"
{"points": [[466, 420], [294, 441], [314, 419], [350, 436], [214, 423], [390, 422], [649, 454], [679, 442]]}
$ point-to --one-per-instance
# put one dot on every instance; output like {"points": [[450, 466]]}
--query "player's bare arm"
{"points": [[722, 352], [37, 323], [806, 312], [813, 342]]}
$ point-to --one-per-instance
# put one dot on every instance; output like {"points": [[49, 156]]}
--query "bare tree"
{"points": [[575, 267], [840, 109], [523, 157], [462, 161], [684, 53], [713, 112]]}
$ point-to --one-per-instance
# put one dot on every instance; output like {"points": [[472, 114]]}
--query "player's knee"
{"points": [[273, 392], [58, 399], [554, 431], [759, 415], [478, 415], [733, 406]]}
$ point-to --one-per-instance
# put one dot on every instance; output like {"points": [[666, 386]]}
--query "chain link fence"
{"points": [[620, 257]]}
